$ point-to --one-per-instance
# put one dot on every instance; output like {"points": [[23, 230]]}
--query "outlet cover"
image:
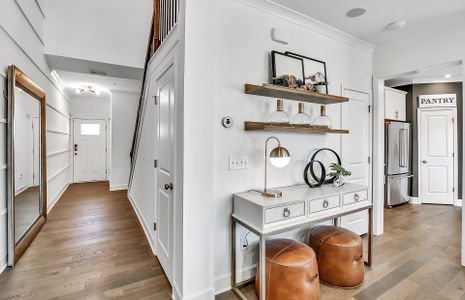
{"points": [[238, 162]]}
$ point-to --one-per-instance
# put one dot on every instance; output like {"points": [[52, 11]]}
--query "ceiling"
{"points": [[370, 27], [431, 74]]}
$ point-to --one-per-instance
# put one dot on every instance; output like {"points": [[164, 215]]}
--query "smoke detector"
{"points": [[396, 25], [356, 12]]}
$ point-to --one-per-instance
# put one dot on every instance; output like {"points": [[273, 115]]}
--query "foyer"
{"points": [[92, 247]]}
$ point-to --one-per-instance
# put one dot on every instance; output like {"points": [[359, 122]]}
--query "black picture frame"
{"points": [[292, 54], [299, 64]]}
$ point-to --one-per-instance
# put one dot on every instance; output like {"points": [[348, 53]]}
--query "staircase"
{"points": [[165, 16]]}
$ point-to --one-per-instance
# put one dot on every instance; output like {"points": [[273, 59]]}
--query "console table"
{"points": [[299, 207]]}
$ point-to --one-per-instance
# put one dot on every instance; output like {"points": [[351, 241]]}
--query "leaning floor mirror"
{"points": [[26, 157]]}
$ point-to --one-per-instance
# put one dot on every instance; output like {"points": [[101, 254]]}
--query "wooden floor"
{"points": [[92, 247], [418, 257]]}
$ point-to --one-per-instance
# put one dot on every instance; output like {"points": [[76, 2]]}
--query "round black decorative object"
{"points": [[321, 180], [330, 180]]}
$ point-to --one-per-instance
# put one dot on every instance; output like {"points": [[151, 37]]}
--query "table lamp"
{"points": [[279, 157]]}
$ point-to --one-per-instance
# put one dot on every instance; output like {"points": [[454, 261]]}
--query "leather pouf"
{"points": [[340, 256], [291, 271]]}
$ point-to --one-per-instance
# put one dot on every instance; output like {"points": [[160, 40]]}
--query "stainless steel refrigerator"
{"points": [[398, 163]]}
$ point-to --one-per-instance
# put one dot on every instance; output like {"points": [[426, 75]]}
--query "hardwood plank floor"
{"points": [[92, 247], [418, 257]]}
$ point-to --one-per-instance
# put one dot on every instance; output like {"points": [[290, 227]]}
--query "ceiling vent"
{"points": [[97, 72]]}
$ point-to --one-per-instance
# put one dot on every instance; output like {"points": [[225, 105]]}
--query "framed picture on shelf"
{"points": [[313, 68], [283, 64]]}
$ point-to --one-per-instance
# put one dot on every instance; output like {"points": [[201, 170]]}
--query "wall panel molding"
{"points": [[57, 173]]}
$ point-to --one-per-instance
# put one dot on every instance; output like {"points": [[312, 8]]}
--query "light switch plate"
{"points": [[238, 162]]}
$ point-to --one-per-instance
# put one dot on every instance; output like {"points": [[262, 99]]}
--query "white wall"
{"points": [[238, 53], [21, 46], [437, 43], [123, 119], [122, 36]]}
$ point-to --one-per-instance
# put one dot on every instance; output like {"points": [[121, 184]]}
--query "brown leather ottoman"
{"points": [[291, 271], [340, 256]]}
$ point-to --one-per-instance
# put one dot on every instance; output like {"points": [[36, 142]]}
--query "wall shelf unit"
{"points": [[261, 126], [275, 91]]}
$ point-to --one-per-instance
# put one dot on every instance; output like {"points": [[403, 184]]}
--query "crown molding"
{"points": [[309, 23]]}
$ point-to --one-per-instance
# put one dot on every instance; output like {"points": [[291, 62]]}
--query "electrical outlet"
{"points": [[238, 162]]}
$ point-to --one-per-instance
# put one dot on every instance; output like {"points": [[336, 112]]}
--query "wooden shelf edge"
{"points": [[261, 126], [275, 91]]}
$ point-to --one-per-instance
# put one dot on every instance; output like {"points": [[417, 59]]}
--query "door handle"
{"points": [[425, 162], [169, 186]]}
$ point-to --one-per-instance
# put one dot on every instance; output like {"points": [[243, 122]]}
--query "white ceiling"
{"points": [[430, 74], [419, 14], [105, 84]]}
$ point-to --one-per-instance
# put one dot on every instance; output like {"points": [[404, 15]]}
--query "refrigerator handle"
{"points": [[401, 148], [407, 148]]}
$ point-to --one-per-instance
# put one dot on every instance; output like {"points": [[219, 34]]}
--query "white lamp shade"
{"points": [[280, 162]]}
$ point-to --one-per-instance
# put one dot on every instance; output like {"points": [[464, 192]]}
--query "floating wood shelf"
{"points": [[260, 126], [276, 91]]}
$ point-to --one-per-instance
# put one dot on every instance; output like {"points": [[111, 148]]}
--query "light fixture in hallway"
{"points": [[89, 89]]}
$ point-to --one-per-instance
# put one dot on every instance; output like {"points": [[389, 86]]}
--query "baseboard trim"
{"points": [[118, 187], [223, 283], [3, 263], [57, 198], [143, 223], [204, 294], [458, 202], [415, 200]]}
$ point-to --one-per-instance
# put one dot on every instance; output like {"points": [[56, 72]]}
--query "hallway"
{"points": [[92, 247]]}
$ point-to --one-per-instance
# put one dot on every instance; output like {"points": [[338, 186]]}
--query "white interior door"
{"points": [[436, 156], [90, 155], [356, 151], [164, 171]]}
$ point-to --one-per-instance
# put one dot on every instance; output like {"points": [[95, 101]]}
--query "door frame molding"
{"points": [[107, 147], [456, 201]]}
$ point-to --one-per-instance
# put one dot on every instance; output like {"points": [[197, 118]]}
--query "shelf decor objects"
{"points": [[279, 116], [301, 118], [314, 157], [284, 66], [322, 120], [312, 70]]}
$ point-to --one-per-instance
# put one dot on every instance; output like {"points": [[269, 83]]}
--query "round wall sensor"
{"points": [[227, 122], [356, 12]]}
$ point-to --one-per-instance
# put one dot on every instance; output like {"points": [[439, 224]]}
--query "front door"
{"points": [[436, 156], [89, 149], [164, 171]]}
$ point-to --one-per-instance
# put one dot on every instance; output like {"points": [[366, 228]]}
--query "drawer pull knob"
{"points": [[325, 204], [356, 197], [286, 213]]}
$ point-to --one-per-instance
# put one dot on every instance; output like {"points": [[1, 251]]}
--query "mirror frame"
{"points": [[16, 78]]}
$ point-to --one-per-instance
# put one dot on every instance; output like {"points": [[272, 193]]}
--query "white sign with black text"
{"points": [[446, 100]]}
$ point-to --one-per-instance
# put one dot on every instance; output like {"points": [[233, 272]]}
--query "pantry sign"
{"points": [[446, 100]]}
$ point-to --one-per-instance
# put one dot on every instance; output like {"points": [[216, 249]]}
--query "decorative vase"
{"points": [[320, 88], [301, 118], [339, 181], [279, 116], [322, 120]]}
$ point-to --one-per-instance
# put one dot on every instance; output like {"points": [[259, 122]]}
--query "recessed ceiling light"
{"points": [[447, 76], [396, 25], [356, 12]]}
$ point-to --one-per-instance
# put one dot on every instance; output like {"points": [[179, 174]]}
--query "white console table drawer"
{"points": [[324, 204], [284, 212], [355, 197]]}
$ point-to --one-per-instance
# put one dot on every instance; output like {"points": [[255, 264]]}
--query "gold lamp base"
{"points": [[272, 193]]}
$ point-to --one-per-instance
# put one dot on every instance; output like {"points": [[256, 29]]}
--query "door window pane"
{"points": [[90, 129]]}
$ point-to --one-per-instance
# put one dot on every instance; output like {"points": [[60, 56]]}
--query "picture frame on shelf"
{"points": [[311, 66], [282, 64]]}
